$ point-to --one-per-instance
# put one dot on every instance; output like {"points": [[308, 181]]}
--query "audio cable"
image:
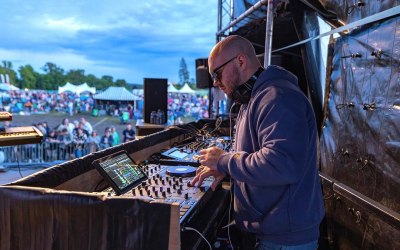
{"points": [[202, 236], [230, 179]]}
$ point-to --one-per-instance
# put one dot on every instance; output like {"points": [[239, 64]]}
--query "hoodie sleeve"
{"points": [[278, 154]]}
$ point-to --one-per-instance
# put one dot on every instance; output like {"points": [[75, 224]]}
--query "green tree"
{"points": [[106, 81], [120, 82], [27, 77], [75, 76], [55, 76], [91, 80], [183, 72]]}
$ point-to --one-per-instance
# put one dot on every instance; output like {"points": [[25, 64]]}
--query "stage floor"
{"points": [[8, 175]]}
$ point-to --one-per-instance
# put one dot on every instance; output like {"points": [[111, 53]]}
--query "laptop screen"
{"points": [[120, 171]]}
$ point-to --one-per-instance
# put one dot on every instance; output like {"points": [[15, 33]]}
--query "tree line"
{"points": [[54, 76]]}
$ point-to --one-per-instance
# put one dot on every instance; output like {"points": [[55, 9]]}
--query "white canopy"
{"points": [[116, 94], [187, 89], [78, 89], [172, 89], [7, 87]]}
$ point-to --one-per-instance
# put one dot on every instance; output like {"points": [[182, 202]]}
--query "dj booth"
{"points": [[71, 205]]}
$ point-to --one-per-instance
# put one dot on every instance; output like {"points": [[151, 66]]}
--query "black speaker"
{"points": [[203, 78], [155, 96]]}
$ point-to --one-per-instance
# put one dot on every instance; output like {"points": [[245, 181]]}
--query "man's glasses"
{"points": [[216, 74]]}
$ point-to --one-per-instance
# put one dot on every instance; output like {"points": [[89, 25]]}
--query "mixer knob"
{"points": [[186, 196], [161, 189], [168, 190], [164, 194], [156, 193], [180, 179], [163, 181], [179, 191]]}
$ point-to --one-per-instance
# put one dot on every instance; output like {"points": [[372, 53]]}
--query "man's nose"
{"points": [[216, 83]]}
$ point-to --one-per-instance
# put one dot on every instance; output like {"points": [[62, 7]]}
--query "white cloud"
{"points": [[68, 24], [126, 39]]}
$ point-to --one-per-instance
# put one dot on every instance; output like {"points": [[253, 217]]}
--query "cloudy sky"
{"points": [[127, 39]]}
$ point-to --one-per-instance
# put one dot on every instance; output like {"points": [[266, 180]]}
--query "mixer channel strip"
{"points": [[20, 135]]}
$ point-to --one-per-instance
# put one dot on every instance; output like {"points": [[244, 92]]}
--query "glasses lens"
{"points": [[215, 76]]}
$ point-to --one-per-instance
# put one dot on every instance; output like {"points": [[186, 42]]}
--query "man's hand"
{"points": [[209, 157], [203, 172]]}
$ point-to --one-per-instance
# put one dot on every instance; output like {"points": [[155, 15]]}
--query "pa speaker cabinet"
{"points": [[155, 96], [203, 78]]}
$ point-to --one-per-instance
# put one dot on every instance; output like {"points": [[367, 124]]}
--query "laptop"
{"points": [[119, 170]]}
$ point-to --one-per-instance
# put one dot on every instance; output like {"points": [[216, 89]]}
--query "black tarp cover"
{"points": [[59, 208], [360, 118]]}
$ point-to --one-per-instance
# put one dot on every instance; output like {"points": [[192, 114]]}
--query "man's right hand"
{"points": [[203, 172]]}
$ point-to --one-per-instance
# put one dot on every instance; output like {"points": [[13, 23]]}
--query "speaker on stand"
{"points": [[204, 81], [155, 96]]}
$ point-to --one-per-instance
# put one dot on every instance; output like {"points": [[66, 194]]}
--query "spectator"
{"points": [[106, 140], [93, 141], [51, 145], [65, 144], [67, 125], [115, 136], [86, 125], [79, 142], [128, 133]]}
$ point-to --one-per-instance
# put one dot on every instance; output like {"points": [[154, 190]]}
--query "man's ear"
{"points": [[242, 60]]}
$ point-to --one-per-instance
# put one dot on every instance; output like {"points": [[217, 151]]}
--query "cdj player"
{"points": [[189, 153]]}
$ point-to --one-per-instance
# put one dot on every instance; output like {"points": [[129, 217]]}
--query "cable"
{"points": [[230, 179], [202, 236], [229, 212], [230, 124]]}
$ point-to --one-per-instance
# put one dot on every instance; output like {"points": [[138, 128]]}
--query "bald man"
{"points": [[277, 191]]}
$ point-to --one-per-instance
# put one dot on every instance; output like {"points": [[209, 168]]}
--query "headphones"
{"points": [[242, 94]]}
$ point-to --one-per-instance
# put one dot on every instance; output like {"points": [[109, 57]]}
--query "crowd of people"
{"points": [[79, 138], [43, 101], [72, 140]]}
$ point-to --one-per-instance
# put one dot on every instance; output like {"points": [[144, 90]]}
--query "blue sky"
{"points": [[127, 39]]}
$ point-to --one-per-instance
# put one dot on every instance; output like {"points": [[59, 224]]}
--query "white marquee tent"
{"points": [[187, 89], [116, 94], [78, 89], [172, 89]]}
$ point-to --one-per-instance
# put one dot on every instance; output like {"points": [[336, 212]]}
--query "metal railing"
{"points": [[44, 153]]}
